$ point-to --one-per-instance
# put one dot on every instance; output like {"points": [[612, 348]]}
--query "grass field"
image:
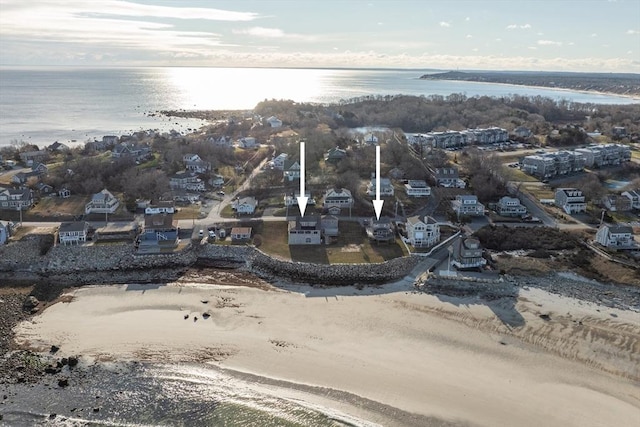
{"points": [[56, 206], [352, 246]]}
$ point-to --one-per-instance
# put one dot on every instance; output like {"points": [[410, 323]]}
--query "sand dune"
{"points": [[460, 361]]}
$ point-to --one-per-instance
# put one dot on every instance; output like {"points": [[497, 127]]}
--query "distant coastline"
{"points": [[627, 84]]}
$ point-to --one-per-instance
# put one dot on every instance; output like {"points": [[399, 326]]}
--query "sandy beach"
{"points": [[540, 359]]}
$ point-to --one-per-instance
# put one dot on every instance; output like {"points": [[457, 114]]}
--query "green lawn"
{"points": [[352, 247]]}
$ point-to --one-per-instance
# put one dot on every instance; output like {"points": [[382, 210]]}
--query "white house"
{"points": [[193, 162], [467, 204], [305, 230], [16, 199], [422, 234], [510, 206], [71, 233], [336, 199], [246, 205], [616, 236], [448, 177], [165, 206], [634, 196], [291, 199], [370, 139], [571, 200], [239, 234], [5, 232], [186, 180], [102, 202], [417, 188]]}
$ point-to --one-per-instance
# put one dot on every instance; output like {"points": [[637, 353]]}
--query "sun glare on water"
{"points": [[243, 88]]}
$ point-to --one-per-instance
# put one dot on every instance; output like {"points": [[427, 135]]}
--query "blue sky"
{"points": [[567, 35]]}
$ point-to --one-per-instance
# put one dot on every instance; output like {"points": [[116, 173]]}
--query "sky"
{"points": [[538, 35]]}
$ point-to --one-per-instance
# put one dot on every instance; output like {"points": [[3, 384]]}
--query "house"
{"points": [[448, 177], [274, 122], [247, 142], [57, 147], [291, 199], [246, 205], [240, 234], [336, 199], [380, 230], [21, 178], [160, 233], [422, 234], [386, 187], [138, 152], [634, 197], [396, 173], [334, 155], [182, 196], [30, 157], [510, 206], [39, 168], [5, 231], [102, 202], [223, 141], [571, 200], [65, 193], [43, 189], [615, 236], [291, 170], [161, 207], [329, 227], [417, 188], [467, 204], [19, 200], [109, 140], [370, 139], [467, 254], [619, 131], [617, 203], [186, 180], [305, 230], [71, 233], [279, 161], [522, 132], [216, 180], [193, 162]]}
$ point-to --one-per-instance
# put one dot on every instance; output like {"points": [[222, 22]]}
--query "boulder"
{"points": [[63, 382], [30, 303], [73, 361]]}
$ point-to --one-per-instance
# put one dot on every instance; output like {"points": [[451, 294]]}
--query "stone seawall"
{"points": [[22, 262]]}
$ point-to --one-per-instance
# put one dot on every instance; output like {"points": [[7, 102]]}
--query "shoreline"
{"points": [[324, 344]]}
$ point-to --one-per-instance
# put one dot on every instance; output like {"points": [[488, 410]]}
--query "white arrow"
{"points": [[377, 203], [302, 200]]}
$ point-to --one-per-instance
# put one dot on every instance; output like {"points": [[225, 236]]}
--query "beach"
{"points": [[388, 355]]}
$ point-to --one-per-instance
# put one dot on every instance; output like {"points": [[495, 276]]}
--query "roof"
{"points": [[103, 195], [417, 183], [620, 229], [248, 201], [69, 227], [336, 193], [241, 230], [162, 220], [413, 220]]}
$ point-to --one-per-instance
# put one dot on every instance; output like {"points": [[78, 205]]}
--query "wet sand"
{"points": [[540, 359]]}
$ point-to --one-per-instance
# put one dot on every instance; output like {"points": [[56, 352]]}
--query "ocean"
{"points": [[73, 105]]}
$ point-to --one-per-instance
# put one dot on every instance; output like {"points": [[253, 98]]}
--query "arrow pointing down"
{"points": [[377, 203], [302, 199]]}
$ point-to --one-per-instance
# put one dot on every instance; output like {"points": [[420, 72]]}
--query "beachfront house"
{"points": [[31, 157], [422, 233], [571, 200], [291, 199], [380, 230], [241, 234], [102, 202], [467, 254], [616, 236], [160, 233], [73, 233], [467, 204], [305, 230], [616, 203], [330, 229]]}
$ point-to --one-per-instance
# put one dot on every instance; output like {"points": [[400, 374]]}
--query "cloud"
{"points": [[518, 27], [261, 32], [594, 34], [633, 32], [467, 19], [549, 43], [445, 24], [469, 36]]}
